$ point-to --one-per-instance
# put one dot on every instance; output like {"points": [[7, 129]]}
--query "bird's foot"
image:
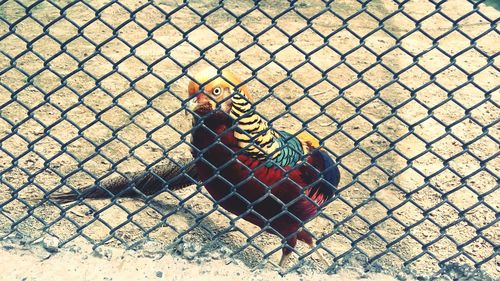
{"points": [[284, 259], [319, 254]]}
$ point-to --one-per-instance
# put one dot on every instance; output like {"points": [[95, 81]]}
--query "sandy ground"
{"points": [[114, 264], [97, 109]]}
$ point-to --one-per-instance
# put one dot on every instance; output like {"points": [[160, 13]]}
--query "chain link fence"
{"points": [[403, 94]]}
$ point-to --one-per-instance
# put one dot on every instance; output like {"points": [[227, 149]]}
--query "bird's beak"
{"points": [[200, 105], [191, 106]]}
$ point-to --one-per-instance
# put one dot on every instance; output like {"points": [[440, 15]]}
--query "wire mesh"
{"points": [[403, 94]]}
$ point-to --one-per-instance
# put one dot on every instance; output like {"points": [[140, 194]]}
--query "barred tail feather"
{"points": [[169, 175]]}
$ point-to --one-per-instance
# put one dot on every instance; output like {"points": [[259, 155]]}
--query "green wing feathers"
{"points": [[290, 150]]}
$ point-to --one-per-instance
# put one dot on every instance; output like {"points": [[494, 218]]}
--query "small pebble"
{"points": [[50, 244], [102, 253]]}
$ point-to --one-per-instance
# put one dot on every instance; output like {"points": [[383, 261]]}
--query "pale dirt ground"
{"points": [[125, 265], [79, 130]]}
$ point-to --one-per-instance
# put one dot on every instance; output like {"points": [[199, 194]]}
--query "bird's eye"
{"points": [[217, 91]]}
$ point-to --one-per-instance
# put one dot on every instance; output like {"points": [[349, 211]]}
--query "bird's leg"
{"points": [[308, 239], [287, 250]]}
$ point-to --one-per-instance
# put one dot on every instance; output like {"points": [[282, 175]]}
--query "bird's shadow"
{"points": [[207, 228]]}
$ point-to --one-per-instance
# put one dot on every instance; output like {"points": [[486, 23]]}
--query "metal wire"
{"points": [[57, 66]]}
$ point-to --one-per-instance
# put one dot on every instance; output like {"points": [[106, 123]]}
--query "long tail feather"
{"points": [[170, 175]]}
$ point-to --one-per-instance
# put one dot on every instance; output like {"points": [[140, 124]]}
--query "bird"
{"points": [[276, 180]]}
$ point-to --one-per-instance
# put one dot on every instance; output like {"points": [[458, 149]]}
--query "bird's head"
{"points": [[210, 91]]}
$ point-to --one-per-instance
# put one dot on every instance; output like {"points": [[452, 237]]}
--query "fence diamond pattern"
{"points": [[404, 94]]}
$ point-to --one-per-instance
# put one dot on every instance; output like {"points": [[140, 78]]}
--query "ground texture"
{"points": [[411, 120]]}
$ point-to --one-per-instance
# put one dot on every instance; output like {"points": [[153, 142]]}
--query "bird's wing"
{"points": [[321, 174], [289, 150], [280, 148], [319, 171]]}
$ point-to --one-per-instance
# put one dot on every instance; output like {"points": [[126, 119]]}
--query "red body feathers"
{"points": [[278, 199]]}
